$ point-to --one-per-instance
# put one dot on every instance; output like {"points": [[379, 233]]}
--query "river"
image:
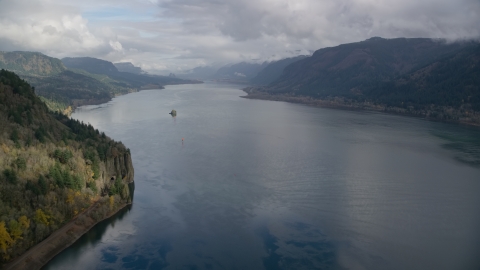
{"points": [[272, 185]]}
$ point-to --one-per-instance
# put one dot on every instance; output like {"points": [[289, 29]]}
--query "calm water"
{"points": [[272, 185]]}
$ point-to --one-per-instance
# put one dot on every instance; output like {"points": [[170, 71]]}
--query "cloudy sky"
{"points": [[177, 35]]}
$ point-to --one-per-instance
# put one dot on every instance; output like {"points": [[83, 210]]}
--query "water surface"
{"points": [[272, 185]]}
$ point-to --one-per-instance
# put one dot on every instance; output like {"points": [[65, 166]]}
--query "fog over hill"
{"points": [[274, 70], [128, 67], [239, 72]]}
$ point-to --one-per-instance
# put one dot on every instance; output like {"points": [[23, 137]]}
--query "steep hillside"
{"points": [[453, 81], [345, 69], [51, 169], [423, 77], [30, 63], [274, 70]]}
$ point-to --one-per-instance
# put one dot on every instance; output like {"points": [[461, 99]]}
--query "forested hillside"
{"points": [[415, 76], [51, 169]]}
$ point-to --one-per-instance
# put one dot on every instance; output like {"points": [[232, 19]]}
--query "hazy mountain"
{"points": [[274, 70], [199, 73], [137, 81], [239, 72], [128, 67], [91, 65], [30, 63]]}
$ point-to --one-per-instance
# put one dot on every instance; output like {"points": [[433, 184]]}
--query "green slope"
{"points": [[30, 63]]}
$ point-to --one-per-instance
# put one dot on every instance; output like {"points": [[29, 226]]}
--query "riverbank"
{"points": [[43, 252], [435, 113]]}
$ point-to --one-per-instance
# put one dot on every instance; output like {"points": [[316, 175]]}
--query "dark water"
{"points": [[271, 185]]}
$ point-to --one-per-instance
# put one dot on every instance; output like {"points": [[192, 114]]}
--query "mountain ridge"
{"points": [[82, 81], [387, 74]]}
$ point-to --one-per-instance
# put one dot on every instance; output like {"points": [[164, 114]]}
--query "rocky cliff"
{"points": [[119, 166]]}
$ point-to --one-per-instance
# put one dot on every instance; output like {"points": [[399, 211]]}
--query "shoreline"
{"points": [[338, 104], [43, 252]]}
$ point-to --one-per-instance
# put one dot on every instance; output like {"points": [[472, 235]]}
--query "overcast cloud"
{"points": [[177, 35]]}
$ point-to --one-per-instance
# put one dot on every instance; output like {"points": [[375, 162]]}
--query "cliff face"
{"points": [[120, 165], [116, 176]]}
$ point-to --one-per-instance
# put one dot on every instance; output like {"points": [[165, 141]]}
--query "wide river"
{"points": [[272, 185]]}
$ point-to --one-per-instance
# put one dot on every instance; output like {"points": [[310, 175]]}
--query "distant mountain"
{"points": [[199, 73], [128, 67], [414, 76], [274, 70], [56, 85], [79, 81], [240, 72], [91, 65], [102, 67], [30, 63]]}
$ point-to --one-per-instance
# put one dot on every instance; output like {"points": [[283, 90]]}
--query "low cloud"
{"points": [[240, 74]]}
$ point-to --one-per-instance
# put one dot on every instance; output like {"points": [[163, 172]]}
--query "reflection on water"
{"points": [[316, 252], [464, 142], [92, 238], [271, 185]]}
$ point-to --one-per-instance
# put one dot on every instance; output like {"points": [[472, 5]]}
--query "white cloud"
{"points": [[116, 46], [176, 35], [240, 74]]}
